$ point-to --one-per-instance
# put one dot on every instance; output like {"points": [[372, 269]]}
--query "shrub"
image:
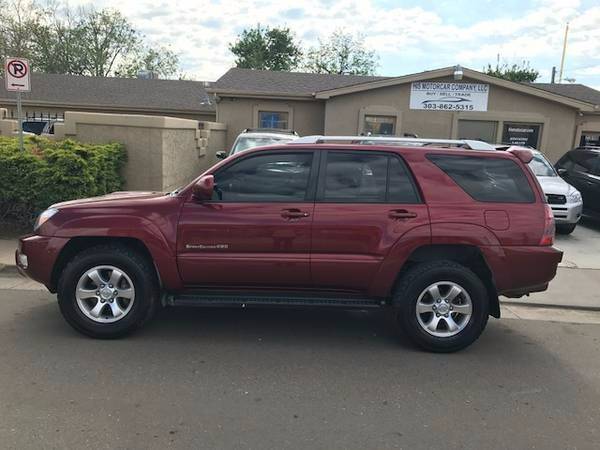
{"points": [[48, 172]]}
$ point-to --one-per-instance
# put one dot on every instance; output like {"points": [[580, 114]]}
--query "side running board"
{"points": [[243, 300]]}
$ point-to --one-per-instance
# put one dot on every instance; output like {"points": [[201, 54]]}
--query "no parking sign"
{"points": [[17, 75]]}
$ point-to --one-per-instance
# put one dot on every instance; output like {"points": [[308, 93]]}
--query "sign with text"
{"points": [[448, 96], [523, 134], [17, 75]]}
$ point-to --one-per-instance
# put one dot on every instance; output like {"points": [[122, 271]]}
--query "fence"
{"points": [[162, 152]]}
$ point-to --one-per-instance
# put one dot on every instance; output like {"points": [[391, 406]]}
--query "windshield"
{"points": [[246, 142], [541, 167]]}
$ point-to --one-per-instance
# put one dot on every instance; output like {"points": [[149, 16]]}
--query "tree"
{"points": [[161, 61], [343, 54], [517, 72], [17, 22], [100, 43], [266, 49]]}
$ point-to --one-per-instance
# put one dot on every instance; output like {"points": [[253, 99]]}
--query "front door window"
{"points": [[265, 178]]}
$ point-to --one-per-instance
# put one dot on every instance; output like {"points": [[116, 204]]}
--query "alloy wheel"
{"points": [[444, 309], [105, 294]]}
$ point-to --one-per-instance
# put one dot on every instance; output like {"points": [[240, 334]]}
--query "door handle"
{"points": [[293, 214], [401, 214]]}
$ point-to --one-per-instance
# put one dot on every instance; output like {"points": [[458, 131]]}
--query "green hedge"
{"points": [[48, 172]]}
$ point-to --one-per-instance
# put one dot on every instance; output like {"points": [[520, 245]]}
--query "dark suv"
{"points": [[581, 169], [433, 231]]}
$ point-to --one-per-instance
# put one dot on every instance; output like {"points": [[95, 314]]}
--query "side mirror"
{"points": [[204, 187], [221, 154], [561, 171]]}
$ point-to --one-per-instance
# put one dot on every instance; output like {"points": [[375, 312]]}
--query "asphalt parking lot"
{"points": [[274, 379]]}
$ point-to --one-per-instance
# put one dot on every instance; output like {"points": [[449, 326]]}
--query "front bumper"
{"points": [[36, 255], [567, 213]]}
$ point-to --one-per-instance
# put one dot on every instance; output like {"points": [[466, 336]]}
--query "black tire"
{"points": [[565, 228], [421, 276], [135, 265]]}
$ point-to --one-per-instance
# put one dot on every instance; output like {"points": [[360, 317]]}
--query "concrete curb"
{"points": [[550, 305], [8, 269]]}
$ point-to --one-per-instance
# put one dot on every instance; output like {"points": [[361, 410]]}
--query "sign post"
{"points": [[17, 75]]}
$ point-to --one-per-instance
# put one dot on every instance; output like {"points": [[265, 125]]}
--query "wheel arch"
{"points": [[469, 256], [78, 244]]}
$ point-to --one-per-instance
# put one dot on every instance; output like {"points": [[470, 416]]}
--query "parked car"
{"points": [[258, 137], [433, 234], [564, 199], [40, 126], [581, 168]]}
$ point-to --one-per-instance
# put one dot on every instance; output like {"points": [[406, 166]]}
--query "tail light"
{"points": [[548, 236]]}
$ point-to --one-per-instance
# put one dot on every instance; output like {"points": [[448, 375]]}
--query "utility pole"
{"points": [[562, 59]]}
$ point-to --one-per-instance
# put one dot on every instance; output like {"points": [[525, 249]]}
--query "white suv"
{"points": [[257, 137]]}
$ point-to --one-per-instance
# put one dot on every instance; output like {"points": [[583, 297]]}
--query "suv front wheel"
{"points": [[107, 291], [442, 306]]}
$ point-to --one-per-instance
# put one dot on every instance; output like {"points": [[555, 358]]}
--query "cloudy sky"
{"points": [[409, 36]]}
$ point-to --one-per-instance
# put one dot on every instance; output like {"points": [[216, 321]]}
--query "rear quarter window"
{"points": [[487, 179]]}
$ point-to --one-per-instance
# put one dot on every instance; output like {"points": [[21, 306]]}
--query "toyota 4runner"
{"points": [[433, 231]]}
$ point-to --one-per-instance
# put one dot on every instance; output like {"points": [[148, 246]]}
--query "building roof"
{"points": [[265, 83], [115, 93], [274, 83], [577, 91]]}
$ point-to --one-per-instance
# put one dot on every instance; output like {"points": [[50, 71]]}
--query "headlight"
{"points": [[574, 196], [43, 217]]}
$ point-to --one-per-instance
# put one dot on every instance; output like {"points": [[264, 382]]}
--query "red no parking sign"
{"points": [[17, 75]]}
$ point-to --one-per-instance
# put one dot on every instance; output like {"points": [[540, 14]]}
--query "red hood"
{"points": [[115, 196]]}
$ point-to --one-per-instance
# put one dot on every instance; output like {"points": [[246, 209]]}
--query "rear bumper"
{"points": [[36, 255], [522, 270]]}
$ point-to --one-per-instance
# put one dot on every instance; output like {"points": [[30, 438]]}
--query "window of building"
{"points": [[273, 119], [523, 134], [479, 130], [380, 125], [265, 178], [486, 179], [359, 178], [591, 138]]}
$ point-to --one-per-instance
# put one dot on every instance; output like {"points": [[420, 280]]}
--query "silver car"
{"points": [[564, 199], [251, 138]]}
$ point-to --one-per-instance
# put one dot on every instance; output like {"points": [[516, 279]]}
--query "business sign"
{"points": [[17, 75], [523, 134], [446, 96]]}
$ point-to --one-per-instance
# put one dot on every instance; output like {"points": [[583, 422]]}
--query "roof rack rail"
{"points": [[269, 130], [392, 140]]}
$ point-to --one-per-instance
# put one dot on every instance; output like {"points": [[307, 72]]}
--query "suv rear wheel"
{"points": [[107, 291], [441, 305]]}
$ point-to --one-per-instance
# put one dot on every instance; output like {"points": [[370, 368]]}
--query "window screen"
{"points": [[363, 178], [265, 178], [487, 179], [273, 119], [380, 125]]}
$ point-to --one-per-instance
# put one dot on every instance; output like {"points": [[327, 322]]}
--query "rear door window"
{"points": [[360, 177], [487, 179]]}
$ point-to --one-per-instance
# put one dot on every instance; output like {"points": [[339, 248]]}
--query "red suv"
{"points": [[431, 230]]}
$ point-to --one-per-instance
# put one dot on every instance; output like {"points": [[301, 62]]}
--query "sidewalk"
{"points": [[7, 252]]}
